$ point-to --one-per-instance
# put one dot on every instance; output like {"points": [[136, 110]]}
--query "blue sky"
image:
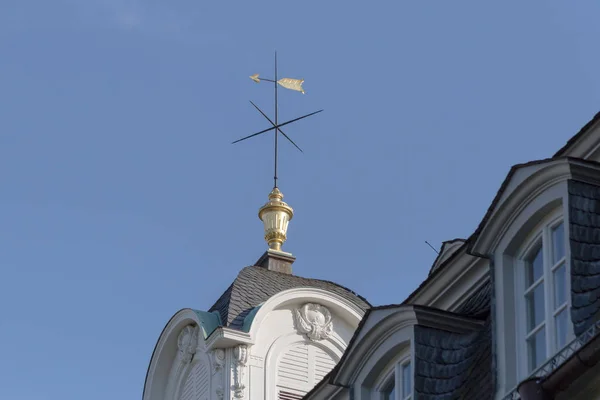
{"points": [[123, 201]]}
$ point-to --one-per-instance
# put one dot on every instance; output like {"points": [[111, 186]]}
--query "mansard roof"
{"points": [[255, 285], [570, 149], [448, 365]]}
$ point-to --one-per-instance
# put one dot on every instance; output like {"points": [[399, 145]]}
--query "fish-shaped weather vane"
{"points": [[288, 83]]}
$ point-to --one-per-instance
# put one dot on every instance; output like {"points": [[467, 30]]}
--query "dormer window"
{"points": [[406, 381], [544, 298], [389, 393], [398, 385]]}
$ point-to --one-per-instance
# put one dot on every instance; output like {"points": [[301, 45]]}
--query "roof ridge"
{"points": [[313, 279]]}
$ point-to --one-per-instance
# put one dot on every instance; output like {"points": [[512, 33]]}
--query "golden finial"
{"points": [[275, 215]]}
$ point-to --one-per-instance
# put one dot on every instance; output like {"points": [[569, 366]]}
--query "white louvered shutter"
{"points": [[323, 364], [196, 383], [299, 369]]}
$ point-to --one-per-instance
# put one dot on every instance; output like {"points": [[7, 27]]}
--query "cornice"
{"points": [[324, 390], [403, 317], [447, 286], [549, 174], [445, 320], [226, 337], [581, 143]]}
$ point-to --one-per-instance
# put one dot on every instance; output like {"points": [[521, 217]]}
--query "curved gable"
{"points": [[174, 352], [299, 335], [255, 285], [523, 185], [585, 143]]}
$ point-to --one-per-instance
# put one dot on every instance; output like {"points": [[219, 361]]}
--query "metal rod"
{"points": [[432, 248], [276, 116], [275, 126]]}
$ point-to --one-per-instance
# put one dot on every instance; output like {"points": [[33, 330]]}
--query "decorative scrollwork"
{"points": [[218, 356], [240, 355], [314, 320], [187, 342]]}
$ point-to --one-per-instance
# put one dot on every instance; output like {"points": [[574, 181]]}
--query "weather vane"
{"points": [[288, 83]]}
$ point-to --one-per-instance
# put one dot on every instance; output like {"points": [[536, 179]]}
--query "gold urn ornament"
{"points": [[275, 215]]}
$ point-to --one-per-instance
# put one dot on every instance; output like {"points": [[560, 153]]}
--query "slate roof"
{"points": [[448, 366], [584, 232], [478, 304], [451, 366], [255, 285], [469, 242]]}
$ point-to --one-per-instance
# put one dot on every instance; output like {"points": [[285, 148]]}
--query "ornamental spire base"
{"points": [[275, 215], [277, 261]]}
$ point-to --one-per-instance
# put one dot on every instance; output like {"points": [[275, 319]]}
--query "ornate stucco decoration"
{"points": [[187, 342], [218, 363], [240, 356], [314, 320]]}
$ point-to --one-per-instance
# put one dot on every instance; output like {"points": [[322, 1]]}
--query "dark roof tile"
{"points": [[584, 235], [255, 285]]}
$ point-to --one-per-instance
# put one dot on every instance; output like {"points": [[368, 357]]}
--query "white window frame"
{"points": [[394, 371], [541, 233]]}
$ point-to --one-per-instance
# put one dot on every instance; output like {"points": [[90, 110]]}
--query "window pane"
{"points": [[535, 267], [390, 394], [406, 380], [561, 321], [536, 349], [560, 286], [558, 243], [535, 306]]}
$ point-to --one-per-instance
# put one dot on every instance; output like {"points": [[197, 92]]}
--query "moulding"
{"points": [[334, 346], [336, 304], [240, 358], [391, 321], [218, 362], [165, 351], [227, 337], [539, 180]]}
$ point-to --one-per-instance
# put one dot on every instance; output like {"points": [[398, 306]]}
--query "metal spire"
{"points": [[288, 83]]}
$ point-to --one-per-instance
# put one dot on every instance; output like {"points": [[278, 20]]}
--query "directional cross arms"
{"points": [[287, 83], [278, 126]]}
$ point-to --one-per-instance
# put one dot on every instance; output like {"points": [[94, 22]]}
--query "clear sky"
{"points": [[123, 201]]}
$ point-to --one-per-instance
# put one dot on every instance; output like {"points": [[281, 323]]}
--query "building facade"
{"points": [[271, 334], [510, 312]]}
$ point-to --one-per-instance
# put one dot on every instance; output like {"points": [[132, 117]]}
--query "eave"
{"points": [[582, 144], [524, 183], [226, 337], [382, 322]]}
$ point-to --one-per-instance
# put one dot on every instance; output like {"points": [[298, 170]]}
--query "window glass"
{"points": [[537, 349], [560, 286], [558, 243], [545, 309], [535, 267], [535, 306], [390, 392], [406, 381], [561, 323]]}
